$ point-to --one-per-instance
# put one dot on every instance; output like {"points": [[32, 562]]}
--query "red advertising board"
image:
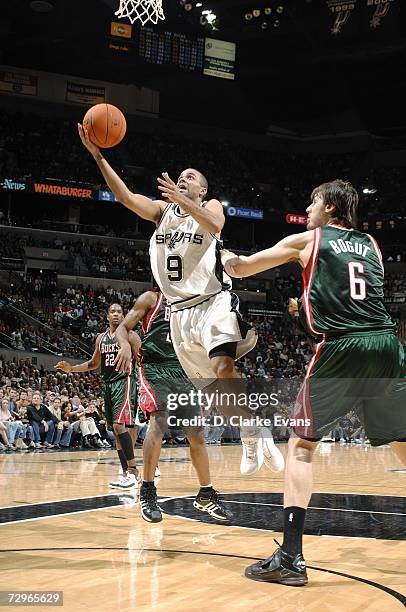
{"points": [[297, 219]]}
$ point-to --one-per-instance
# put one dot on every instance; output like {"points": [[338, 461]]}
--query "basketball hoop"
{"points": [[143, 10]]}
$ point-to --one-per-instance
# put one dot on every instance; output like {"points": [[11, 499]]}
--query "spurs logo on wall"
{"points": [[342, 11], [381, 10]]}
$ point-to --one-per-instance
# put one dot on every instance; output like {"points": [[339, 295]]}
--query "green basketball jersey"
{"points": [[109, 348], [343, 283], [156, 341]]}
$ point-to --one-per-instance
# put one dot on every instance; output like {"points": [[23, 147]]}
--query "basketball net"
{"points": [[143, 10]]}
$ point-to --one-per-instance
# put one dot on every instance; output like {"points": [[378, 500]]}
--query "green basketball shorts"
{"points": [[120, 397], [366, 370]]}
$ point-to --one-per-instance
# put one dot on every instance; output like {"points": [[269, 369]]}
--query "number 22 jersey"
{"points": [[343, 283], [109, 348], [185, 260]]}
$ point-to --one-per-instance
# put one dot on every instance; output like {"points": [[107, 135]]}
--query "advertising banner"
{"points": [[245, 213], [87, 95], [18, 83]]}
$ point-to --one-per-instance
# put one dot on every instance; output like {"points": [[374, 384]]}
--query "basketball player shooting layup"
{"points": [[207, 331], [120, 391], [343, 280]]}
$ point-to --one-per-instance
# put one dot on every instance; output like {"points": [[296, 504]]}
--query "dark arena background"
{"points": [[268, 99]]}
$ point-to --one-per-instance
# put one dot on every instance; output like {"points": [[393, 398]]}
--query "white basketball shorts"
{"points": [[198, 330]]}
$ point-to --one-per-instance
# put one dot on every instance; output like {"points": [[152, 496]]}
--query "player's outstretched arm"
{"points": [[86, 366], [141, 306], [148, 209], [290, 249], [210, 216]]}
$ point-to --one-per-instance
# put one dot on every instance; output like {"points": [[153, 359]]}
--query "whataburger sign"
{"points": [[51, 188], [63, 190]]}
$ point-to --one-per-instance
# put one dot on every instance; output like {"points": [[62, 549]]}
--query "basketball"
{"points": [[106, 125]]}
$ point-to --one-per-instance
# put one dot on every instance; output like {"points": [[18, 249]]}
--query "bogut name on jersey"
{"points": [[173, 238], [346, 246]]}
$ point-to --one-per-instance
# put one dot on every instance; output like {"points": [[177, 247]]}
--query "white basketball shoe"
{"points": [[252, 455], [273, 457]]}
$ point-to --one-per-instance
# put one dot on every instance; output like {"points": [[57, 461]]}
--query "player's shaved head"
{"points": [[203, 180]]}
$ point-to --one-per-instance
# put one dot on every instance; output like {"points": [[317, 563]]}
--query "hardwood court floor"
{"points": [[98, 550]]}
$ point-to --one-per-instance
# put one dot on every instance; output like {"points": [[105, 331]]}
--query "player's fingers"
{"points": [[170, 181], [123, 366], [164, 183], [166, 194], [81, 132]]}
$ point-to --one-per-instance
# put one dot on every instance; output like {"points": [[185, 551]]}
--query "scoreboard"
{"points": [[171, 48], [165, 48]]}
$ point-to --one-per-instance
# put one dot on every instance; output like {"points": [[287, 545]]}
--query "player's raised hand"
{"points": [[84, 137], [169, 189], [122, 362], [64, 366]]}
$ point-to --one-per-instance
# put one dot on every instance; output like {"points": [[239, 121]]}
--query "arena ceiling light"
{"points": [[209, 18], [368, 190], [368, 185]]}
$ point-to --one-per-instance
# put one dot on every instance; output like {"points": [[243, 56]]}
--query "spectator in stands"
{"points": [[84, 424], [14, 427], [29, 432], [64, 429], [3, 434], [96, 413], [41, 420]]}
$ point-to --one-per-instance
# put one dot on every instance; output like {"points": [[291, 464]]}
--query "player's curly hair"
{"points": [[343, 196]]}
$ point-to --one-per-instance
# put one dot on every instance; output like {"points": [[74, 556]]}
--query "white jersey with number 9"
{"points": [[185, 260]]}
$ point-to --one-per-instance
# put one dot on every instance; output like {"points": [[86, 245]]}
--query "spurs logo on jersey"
{"points": [[173, 238], [185, 260]]}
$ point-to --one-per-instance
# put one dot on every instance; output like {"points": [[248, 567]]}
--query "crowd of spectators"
{"points": [[71, 318], [40, 409], [33, 145], [96, 259], [250, 176]]}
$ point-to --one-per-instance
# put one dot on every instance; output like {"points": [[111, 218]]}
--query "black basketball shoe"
{"points": [[150, 510], [208, 501], [279, 567]]}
